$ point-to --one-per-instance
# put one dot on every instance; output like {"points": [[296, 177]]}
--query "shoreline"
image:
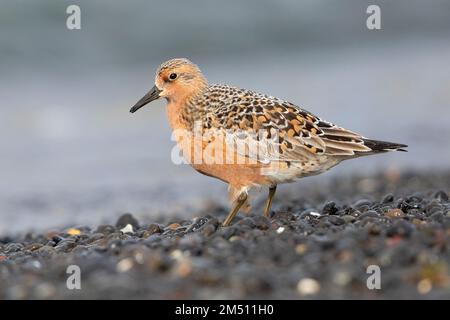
{"points": [[315, 245]]}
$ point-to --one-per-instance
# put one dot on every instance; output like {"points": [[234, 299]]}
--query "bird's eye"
{"points": [[173, 76]]}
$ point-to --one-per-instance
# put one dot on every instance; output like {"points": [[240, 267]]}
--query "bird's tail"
{"points": [[384, 146]]}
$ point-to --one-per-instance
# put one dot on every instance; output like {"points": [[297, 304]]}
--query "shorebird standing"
{"points": [[248, 139]]}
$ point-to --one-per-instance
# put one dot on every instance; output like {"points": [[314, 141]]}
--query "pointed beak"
{"points": [[153, 94]]}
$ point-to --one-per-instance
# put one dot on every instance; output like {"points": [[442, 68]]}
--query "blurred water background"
{"points": [[71, 153]]}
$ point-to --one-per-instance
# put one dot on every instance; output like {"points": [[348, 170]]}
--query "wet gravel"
{"points": [[317, 244]]}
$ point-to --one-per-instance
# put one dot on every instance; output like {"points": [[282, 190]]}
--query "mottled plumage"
{"points": [[281, 141]]}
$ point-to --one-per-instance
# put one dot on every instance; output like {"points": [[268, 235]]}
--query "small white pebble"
{"points": [[124, 265], [424, 286], [315, 214], [301, 248], [127, 229], [176, 254], [45, 290], [234, 238], [280, 230], [308, 286], [139, 257], [342, 278]]}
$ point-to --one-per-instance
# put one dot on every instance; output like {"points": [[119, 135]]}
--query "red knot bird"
{"points": [[248, 139]]}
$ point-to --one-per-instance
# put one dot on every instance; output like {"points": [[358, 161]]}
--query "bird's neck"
{"points": [[185, 111]]}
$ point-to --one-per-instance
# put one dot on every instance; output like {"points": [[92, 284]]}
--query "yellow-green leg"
{"points": [[240, 201], [272, 191]]}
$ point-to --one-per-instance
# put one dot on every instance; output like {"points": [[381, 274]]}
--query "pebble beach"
{"points": [[318, 245]]}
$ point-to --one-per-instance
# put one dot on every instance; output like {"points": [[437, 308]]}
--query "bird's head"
{"points": [[176, 80]]}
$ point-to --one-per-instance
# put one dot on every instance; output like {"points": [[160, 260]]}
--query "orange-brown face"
{"points": [[175, 80], [178, 82]]}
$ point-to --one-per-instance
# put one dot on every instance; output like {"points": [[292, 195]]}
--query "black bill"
{"points": [[153, 94]]}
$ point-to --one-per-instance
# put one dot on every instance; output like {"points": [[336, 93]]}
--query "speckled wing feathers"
{"points": [[289, 132]]}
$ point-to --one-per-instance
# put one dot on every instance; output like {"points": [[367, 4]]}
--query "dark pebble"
{"points": [[370, 214], [154, 228], [348, 218], [388, 198], [432, 209], [51, 243], [438, 217], [46, 251], [208, 230], [416, 214], [284, 216], [57, 239], [128, 242], [65, 245], [364, 208], [114, 246], [306, 215], [190, 241], [153, 239], [406, 206], [336, 220], [362, 203], [94, 237], [125, 220], [6, 239], [441, 195], [247, 222], [116, 236], [228, 232], [13, 247], [34, 246], [374, 229], [367, 221], [214, 221], [351, 212], [386, 208], [324, 241], [324, 224], [173, 231], [261, 222], [400, 228], [100, 244], [415, 198], [105, 229], [80, 250], [197, 225], [330, 208]]}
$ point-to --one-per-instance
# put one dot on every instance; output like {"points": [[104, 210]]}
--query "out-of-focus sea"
{"points": [[71, 153]]}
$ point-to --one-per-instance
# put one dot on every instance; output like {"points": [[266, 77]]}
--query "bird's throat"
{"points": [[184, 113]]}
